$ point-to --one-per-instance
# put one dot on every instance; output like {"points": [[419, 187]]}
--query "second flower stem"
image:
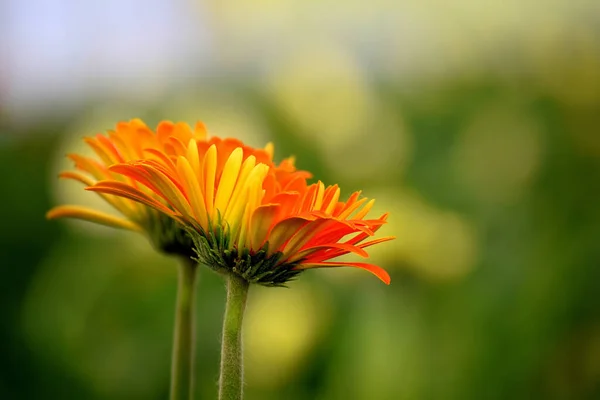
{"points": [[182, 364], [231, 380]]}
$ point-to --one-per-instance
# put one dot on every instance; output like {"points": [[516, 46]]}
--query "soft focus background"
{"points": [[475, 124]]}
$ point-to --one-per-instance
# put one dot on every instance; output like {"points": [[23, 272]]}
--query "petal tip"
{"points": [[51, 214]]}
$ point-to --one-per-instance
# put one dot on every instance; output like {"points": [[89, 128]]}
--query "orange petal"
{"points": [[157, 181], [310, 251], [283, 231], [87, 164], [110, 148], [200, 131], [178, 146], [305, 234], [337, 253], [163, 130], [260, 224], [166, 161], [372, 268], [120, 204], [124, 190], [102, 153], [77, 176]]}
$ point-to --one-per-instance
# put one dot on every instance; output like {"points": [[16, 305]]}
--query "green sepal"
{"points": [[212, 248], [168, 236]]}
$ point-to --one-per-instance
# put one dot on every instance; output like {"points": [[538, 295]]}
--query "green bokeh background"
{"points": [[492, 178]]}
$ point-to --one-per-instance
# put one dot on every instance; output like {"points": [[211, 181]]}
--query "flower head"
{"points": [[246, 214], [129, 141]]}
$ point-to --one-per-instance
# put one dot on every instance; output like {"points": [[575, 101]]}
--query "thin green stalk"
{"points": [[182, 363], [231, 381]]}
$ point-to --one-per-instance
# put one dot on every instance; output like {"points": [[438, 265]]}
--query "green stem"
{"points": [[182, 363], [232, 370]]}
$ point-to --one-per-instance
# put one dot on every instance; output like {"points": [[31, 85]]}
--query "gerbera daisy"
{"points": [[248, 216], [129, 141]]}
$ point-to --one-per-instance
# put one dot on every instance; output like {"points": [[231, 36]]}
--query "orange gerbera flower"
{"points": [[247, 215], [131, 140]]}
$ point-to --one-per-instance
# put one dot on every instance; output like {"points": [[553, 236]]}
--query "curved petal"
{"points": [[88, 214], [340, 252], [315, 251], [372, 268], [283, 231], [121, 205], [124, 190], [260, 224]]}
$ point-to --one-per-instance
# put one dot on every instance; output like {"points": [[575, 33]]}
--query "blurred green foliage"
{"points": [[514, 165]]}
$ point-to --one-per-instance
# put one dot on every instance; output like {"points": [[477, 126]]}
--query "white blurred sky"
{"points": [[64, 50], [60, 52]]}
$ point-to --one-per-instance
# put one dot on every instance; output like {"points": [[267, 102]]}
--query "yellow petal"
{"points": [[333, 201], [251, 195], [192, 188], [200, 131], [365, 210], [209, 169], [344, 214], [240, 187], [318, 199], [269, 149], [229, 177], [86, 180], [91, 215], [194, 160]]}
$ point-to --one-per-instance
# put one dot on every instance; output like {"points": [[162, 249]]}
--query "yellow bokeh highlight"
{"points": [[281, 327], [384, 145], [333, 105], [330, 100], [434, 243], [565, 62], [224, 115], [498, 154]]}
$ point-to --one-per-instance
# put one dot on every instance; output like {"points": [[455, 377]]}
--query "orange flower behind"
{"points": [[129, 141], [247, 215]]}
